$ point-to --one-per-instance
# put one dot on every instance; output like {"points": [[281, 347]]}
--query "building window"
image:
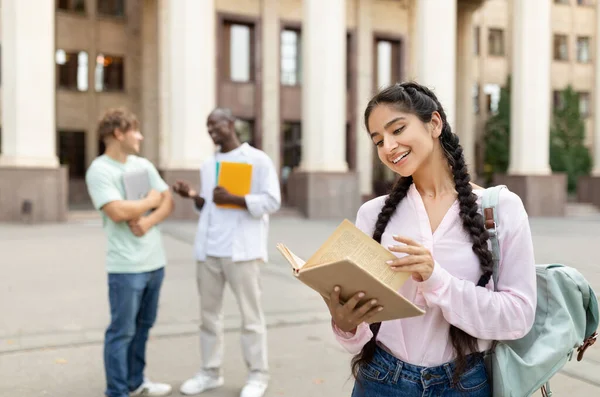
{"points": [[492, 97], [72, 70], [584, 104], [476, 108], [292, 147], [349, 61], [71, 152], [245, 130], [291, 57], [496, 42], [387, 56], [561, 47], [558, 102], [110, 73], [239, 51], [71, 5], [476, 43], [112, 8], [583, 49]]}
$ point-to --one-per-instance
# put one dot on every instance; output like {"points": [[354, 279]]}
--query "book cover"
{"points": [[235, 177]]}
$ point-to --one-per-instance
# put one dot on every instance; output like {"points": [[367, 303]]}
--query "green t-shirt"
{"points": [[126, 253]]}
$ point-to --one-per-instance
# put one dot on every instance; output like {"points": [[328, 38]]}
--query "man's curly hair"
{"points": [[116, 118]]}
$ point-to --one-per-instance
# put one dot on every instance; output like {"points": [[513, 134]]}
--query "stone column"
{"points": [[322, 185], [29, 167], [364, 92], [150, 103], [323, 86], [529, 174], [465, 112], [187, 90], [588, 187], [436, 51], [270, 80]]}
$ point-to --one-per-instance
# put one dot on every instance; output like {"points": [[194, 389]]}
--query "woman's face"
{"points": [[403, 141]]}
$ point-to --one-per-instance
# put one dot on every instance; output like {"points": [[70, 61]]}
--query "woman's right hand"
{"points": [[348, 316]]}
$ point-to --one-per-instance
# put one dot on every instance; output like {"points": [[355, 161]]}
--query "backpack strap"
{"points": [[489, 205]]}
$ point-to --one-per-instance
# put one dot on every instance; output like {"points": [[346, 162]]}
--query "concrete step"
{"points": [[582, 209]]}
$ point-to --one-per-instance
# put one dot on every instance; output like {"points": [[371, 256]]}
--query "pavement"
{"points": [[54, 310]]}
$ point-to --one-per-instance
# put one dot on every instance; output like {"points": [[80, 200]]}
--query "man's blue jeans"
{"points": [[133, 306]]}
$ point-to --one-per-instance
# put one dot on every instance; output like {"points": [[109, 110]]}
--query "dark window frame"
{"points": [[116, 67]]}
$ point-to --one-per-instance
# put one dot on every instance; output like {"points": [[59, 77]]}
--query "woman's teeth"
{"points": [[400, 157]]}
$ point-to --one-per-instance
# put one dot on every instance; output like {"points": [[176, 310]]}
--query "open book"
{"points": [[354, 261]]}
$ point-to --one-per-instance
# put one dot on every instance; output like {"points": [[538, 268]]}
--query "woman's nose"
{"points": [[389, 144]]}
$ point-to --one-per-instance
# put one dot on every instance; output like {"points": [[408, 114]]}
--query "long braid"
{"points": [[471, 217], [391, 203], [420, 100]]}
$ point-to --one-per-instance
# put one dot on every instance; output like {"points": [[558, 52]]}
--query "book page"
{"points": [[347, 241], [296, 262]]}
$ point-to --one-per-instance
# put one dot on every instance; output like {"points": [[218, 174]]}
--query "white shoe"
{"points": [[200, 383], [254, 388], [152, 389]]}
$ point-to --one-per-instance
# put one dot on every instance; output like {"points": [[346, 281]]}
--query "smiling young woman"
{"points": [[431, 219]]}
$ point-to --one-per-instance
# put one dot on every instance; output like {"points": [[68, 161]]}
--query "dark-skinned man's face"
{"points": [[219, 128]]}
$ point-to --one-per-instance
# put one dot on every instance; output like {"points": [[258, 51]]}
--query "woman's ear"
{"points": [[436, 124]]}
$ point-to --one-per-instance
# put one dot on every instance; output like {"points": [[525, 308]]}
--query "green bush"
{"points": [[497, 137], [568, 152]]}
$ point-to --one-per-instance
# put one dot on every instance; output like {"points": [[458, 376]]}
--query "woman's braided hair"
{"points": [[419, 100]]}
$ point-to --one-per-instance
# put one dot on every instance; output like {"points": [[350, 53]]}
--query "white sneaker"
{"points": [[254, 388], [152, 389], [200, 383]]}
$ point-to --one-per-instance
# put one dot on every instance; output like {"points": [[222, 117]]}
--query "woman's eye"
{"points": [[399, 130], [379, 143]]}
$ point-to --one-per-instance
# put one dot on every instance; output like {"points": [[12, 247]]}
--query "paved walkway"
{"points": [[54, 311]]}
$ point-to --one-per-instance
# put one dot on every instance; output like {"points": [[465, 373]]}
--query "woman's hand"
{"points": [[348, 316], [418, 260]]}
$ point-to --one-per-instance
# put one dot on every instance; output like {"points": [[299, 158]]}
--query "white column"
{"points": [[530, 89], [364, 92], [596, 147], [150, 99], [324, 86], [187, 81], [28, 82], [436, 51], [270, 82], [465, 112]]}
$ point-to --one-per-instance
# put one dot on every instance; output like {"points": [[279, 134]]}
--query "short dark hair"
{"points": [[116, 118]]}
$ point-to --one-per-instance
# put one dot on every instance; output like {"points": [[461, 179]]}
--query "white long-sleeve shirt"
{"points": [[450, 295], [241, 234]]}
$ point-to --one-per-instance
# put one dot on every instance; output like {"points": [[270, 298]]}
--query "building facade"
{"points": [[296, 73]]}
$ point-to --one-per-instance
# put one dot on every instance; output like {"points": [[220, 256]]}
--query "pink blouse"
{"points": [[450, 295]]}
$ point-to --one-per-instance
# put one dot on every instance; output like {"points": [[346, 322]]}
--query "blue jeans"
{"points": [[387, 376], [133, 306]]}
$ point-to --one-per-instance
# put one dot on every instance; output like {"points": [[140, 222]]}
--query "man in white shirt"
{"points": [[230, 245]]}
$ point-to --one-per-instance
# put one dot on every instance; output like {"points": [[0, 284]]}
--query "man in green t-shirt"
{"points": [[135, 257]]}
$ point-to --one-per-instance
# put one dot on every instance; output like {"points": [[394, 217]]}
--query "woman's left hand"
{"points": [[418, 260]]}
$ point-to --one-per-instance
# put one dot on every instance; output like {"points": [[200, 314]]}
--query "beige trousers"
{"points": [[244, 280]]}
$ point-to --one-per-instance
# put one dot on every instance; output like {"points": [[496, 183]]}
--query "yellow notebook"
{"points": [[236, 178]]}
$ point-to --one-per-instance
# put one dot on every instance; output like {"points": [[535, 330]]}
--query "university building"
{"points": [[296, 73]]}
